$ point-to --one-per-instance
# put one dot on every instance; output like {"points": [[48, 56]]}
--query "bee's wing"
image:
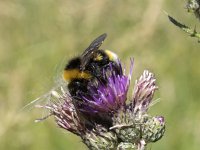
{"points": [[85, 57], [40, 101]]}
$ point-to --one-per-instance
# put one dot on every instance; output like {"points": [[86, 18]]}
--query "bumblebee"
{"points": [[89, 66]]}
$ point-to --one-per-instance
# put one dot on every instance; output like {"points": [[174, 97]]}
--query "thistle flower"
{"points": [[106, 97], [143, 93], [133, 122], [103, 117], [66, 116]]}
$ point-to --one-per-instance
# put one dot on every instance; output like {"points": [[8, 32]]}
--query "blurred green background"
{"points": [[37, 37]]}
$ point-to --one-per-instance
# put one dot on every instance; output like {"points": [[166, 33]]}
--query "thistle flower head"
{"points": [[106, 97], [125, 125], [65, 113], [144, 90], [132, 122]]}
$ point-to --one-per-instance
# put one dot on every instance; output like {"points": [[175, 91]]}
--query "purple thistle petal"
{"points": [[107, 97]]}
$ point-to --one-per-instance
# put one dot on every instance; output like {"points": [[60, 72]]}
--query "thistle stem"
{"points": [[191, 32]]}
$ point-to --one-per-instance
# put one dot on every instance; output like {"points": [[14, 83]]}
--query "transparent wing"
{"points": [[42, 100], [85, 57]]}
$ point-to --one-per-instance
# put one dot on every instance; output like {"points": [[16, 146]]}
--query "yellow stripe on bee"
{"points": [[112, 56], [75, 74]]}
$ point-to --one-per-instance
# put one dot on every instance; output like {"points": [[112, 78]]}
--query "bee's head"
{"points": [[103, 59]]}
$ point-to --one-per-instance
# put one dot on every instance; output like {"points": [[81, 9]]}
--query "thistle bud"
{"points": [[126, 127], [153, 129], [100, 139]]}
